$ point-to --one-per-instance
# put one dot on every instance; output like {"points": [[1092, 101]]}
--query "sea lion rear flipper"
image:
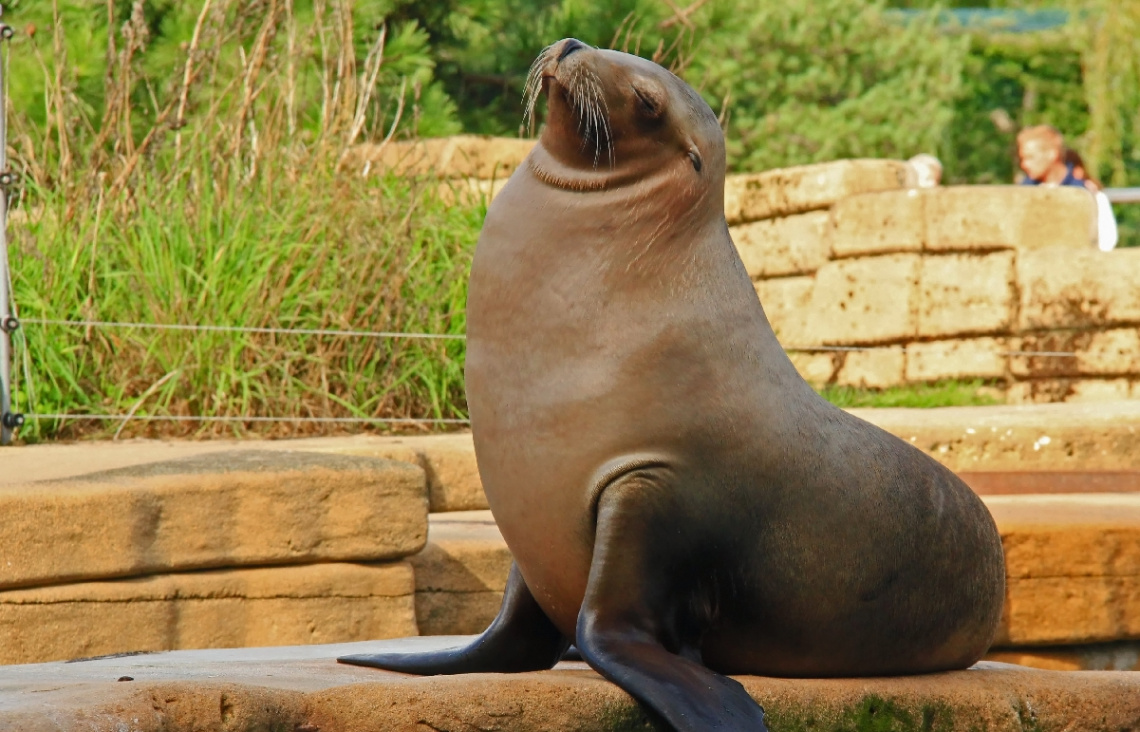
{"points": [[521, 638], [627, 614]]}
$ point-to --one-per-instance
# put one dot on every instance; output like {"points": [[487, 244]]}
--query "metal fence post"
{"points": [[9, 420]]}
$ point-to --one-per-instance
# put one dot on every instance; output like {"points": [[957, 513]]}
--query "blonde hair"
{"points": [[1041, 131]]}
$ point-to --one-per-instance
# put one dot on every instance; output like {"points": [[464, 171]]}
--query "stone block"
{"points": [[1072, 567], [470, 191], [304, 689], [966, 294], [460, 574], [1051, 391], [865, 301], [226, 509], [1009, 217], [816, 368], [787, 304], [461, 156], [880, 368], [1071, 437], [969, 358], [878, 223], [447, 459], [1114, 352], [792, 245], [307, 604], [1120, 656], [1064, 610], [1080, 290], [787, 191]]}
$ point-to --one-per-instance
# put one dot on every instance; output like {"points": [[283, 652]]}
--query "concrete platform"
{"points": [[230, 508], [264, 606], [460, 574], [1101, 436], [1072, 565], [303, 689]]}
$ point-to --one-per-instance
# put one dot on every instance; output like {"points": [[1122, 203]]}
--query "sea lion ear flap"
{"points": [[695, 156]]}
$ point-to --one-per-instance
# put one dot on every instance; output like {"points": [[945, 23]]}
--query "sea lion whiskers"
{"points": [[585, 92], [533, 89]]}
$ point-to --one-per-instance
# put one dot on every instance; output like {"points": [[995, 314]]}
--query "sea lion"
{"points": [[679, 502]]}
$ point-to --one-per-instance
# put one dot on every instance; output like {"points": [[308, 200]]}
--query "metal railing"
{"points": [[9, 420], [1122, 195]]}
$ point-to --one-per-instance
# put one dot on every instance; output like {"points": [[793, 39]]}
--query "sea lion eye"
{"points": [[651, 103], [696, 158]]}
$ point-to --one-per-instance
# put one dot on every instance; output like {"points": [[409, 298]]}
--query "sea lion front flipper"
{"points": [[629, 611], [521, 638]]}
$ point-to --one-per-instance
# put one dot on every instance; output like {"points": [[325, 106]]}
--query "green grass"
{"points": [[327, 252], [940, 394], [209, 192]]}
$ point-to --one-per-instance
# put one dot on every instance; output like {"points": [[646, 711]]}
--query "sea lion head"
{"points": [[614, 118]]}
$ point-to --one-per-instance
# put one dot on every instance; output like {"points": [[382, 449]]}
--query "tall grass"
{"points": [[214, 197]]}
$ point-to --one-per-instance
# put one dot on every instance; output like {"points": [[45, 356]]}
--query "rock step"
{"points": [[1072, 565], [302, 688], [318, 603], [1040, 438], [226, 509]]}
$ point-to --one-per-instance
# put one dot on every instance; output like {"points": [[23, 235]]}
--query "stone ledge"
{"points": [[792, 245], [1079, 290], [787, 191], [318, 603], [1072, 565], [461, 156], [460, 574], [303, 689], [1009, 217], [226, 509], [1099, 436]]}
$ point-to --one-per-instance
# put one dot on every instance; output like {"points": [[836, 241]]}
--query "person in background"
{"points": [[1045, 160], [927, 170]]}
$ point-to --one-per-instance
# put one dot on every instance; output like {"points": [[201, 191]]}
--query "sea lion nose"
{"points": [[569, 46]]}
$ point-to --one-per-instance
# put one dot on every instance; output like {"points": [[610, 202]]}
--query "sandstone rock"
{"points": [[1040, 437], [1009, 217], [875, 369], [470, 191], [816, 368], [461, 156], [865, 301], [460, 574], [1123, 656], [969, 358], [1048, 391], [1113, 352], [448, 460], [966, 294], [303, 689], [792, 245], [1093, 535], [787, 304], [878, 223], [1073, 563], [317, 603], [1063, 610], [788, 191], [231, 508], [1079, 290]]}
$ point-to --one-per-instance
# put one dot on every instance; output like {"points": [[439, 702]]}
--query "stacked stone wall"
{"points": [[961, 282]]}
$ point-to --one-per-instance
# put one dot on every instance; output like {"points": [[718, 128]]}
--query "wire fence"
{"points": [[324, 332]]}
